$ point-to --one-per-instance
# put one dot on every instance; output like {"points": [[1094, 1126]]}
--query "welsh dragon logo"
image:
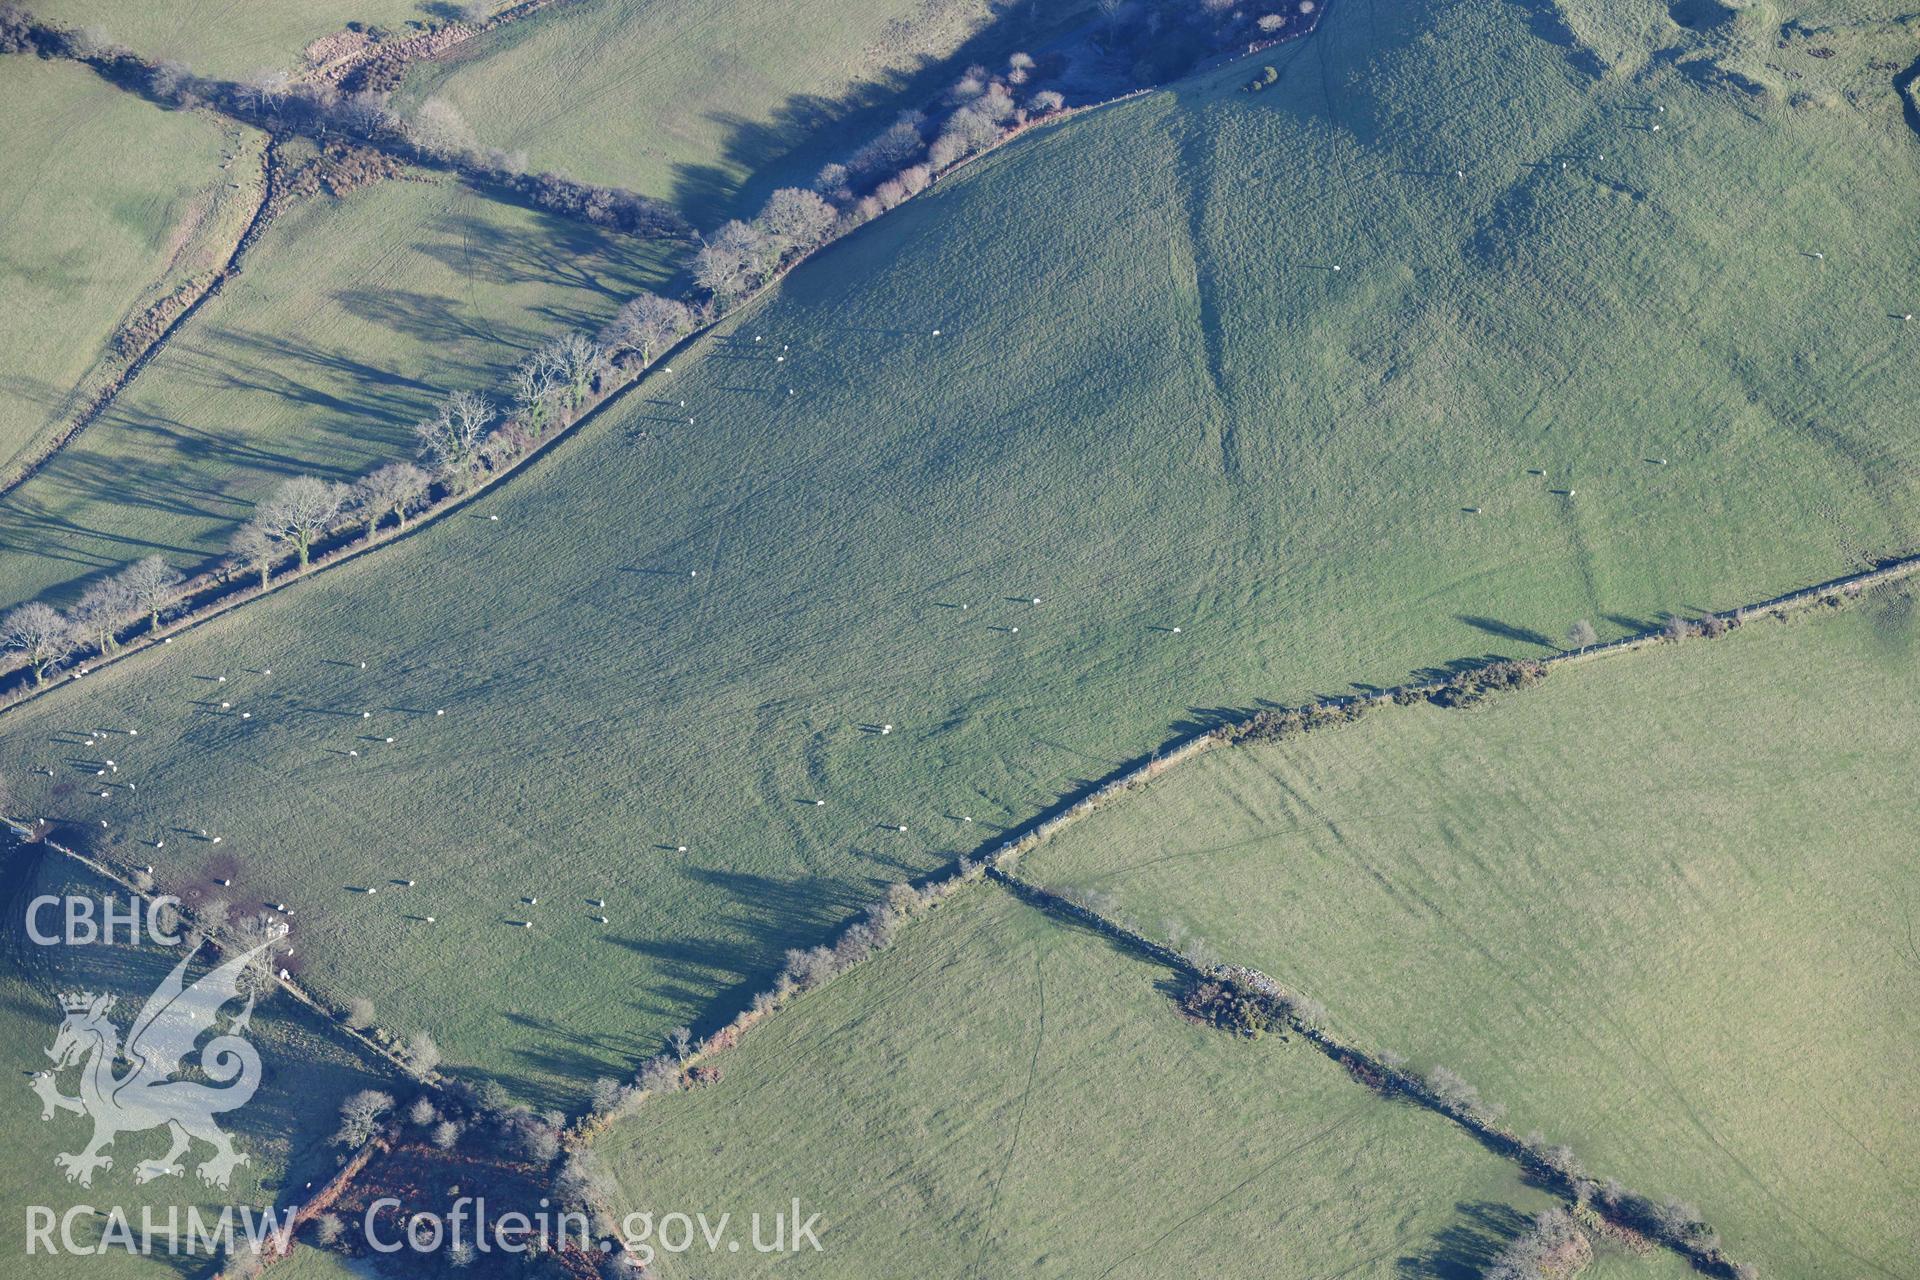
{"points": [[146, 1095]]}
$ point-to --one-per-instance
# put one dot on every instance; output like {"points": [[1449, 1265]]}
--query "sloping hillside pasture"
{"points": [[1661, 907], [1003, 1095], [719, 101], [350, 319], [1173, 416], [111, 205], [232, 41], [283, 1130]]}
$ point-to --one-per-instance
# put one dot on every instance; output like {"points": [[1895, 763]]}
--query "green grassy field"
{"points": [[322, 1264], [350, 319], [112, 205], [1661, 907], [1003, 1095], [722, 100], [224, 39], [283, 1130], [1176, 416]]}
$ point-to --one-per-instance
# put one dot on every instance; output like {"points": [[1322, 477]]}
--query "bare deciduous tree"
{"points": [[367, 114], [580, 360], [439, 129], [1582, 636], [795, 220], [450, 438], [392, 490], [968, 130], [1553, 1245], [151, 582], [734, 261], [360, 1117], [422, 1053], [583, 1180], [257, 932], [537, 382], [101, 611], [649, 324], [606, 1094], [360, 1013], [900, 144], [170, 80], [300, 511], [44, 637], [252, 548]]}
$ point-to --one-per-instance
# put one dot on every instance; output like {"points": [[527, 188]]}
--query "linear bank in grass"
{"points": [[683, 634], [1654, 907]]}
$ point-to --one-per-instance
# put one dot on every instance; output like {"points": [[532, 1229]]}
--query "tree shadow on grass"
{"points": [[592, 264], [1463, 1250], [1508, 631], [720, 973], [810, 130]]}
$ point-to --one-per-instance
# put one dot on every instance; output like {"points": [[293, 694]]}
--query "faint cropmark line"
{"points": [[146, 1095]]}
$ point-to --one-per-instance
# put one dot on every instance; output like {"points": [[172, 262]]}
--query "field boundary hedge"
{"points": [[334, 1019], [210, 593], [109, 392], [1625, 1209]]}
